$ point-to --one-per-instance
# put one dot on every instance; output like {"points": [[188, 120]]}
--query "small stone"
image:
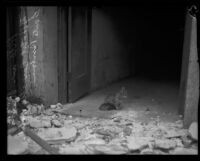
{"points": [[25, 102], [117, 120], [127, 131], [56, 123], [53, 106], [17, 99], [193, 131], [59, 106]]}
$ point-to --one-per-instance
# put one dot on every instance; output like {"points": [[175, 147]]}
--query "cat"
{"points": [[114, 101]]}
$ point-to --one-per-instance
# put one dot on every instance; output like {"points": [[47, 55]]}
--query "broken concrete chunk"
{"points": [[40, 123], [48, 112], [56, 123], [175, 133], [59, 106], [109, 149], [94, 141], [72, 149], [17, 99], [147, 151], [66, 133], [193, 130], [137, 143], [165, 144], [185, 151], [53, 106], [16, 144]]}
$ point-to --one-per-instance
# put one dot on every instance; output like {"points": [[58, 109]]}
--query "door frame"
{"points": [[64, 50]]}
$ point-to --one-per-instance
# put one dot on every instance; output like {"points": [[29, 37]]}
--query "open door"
{"points": [[78, 53]]}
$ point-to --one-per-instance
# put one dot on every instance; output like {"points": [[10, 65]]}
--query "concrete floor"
{"points": [[161, 97]]}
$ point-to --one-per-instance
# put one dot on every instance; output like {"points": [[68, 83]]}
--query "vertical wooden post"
{"points": [[189, 85]]}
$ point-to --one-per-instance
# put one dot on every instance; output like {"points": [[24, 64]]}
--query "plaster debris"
{"points": [[118, 134], [56, 123], [53, 106], [165, 144], [185, 151], [65, 133], [137, 143], [35, 123]]}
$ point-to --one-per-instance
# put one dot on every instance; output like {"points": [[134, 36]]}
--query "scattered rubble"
{"points": [[56, 123], [119, 134]]}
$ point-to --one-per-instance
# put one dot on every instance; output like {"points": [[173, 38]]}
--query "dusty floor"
{"points": [[160, 97]]}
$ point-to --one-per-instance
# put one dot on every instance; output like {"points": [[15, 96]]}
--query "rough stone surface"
{"points": [[65, 133], [127, 131], [94, 141], [193, 130], [185, 151], [137, 143], [175, 133], [40, 123], [16, 145], [165, 144], [72, 149], [109, 149]]}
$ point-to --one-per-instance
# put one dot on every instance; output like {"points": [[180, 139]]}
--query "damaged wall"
{"points": [[39, 51], [111, 48]]}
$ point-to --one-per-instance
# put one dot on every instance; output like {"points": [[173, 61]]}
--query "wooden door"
{"points": [[79, 53]]}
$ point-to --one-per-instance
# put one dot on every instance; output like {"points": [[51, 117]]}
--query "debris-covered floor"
{"points": [[71, 131]]}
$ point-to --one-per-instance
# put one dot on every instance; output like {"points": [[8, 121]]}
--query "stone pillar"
{"points": [[189, 85]]}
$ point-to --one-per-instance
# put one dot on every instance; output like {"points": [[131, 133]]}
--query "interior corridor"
{"points": [[159, 97]]}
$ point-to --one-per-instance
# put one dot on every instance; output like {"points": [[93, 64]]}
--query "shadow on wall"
{"points": [[110, 53]]}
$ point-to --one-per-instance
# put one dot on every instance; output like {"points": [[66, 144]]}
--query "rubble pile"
{"points": [[119, 134]]}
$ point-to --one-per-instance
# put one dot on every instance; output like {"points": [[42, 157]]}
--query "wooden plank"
{"points": [[189, 86]]}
